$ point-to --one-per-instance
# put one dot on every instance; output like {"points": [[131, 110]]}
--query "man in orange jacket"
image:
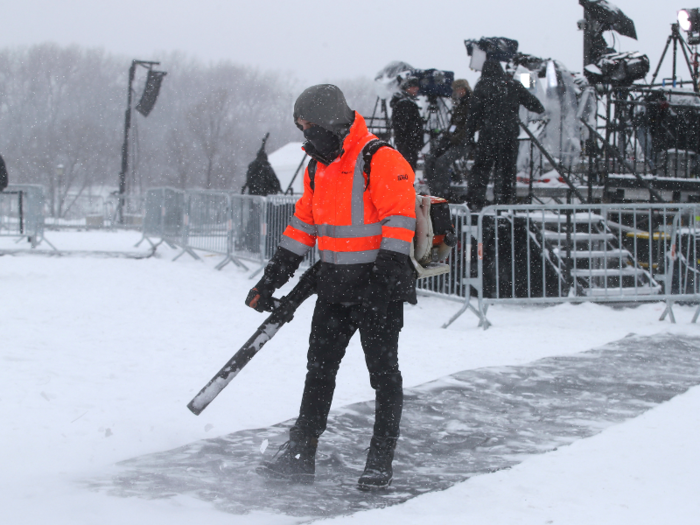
{"points": [[362, 217]]}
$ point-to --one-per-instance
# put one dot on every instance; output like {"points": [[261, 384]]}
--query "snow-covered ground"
{"points": [[100, 355]]}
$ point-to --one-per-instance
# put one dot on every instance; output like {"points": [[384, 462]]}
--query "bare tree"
{"points": [[65, 106]]}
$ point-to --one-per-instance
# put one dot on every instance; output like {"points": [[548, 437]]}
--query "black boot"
{"points": [[295, 461], [378, 472]]}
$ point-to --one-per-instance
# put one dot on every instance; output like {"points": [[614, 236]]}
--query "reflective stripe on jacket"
{"points": [[350, 221]]}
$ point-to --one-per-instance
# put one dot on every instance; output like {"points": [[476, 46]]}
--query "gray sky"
{"points": [[319, 40]]}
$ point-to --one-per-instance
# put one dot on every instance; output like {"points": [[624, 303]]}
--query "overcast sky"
{"points": [[318, 40]]}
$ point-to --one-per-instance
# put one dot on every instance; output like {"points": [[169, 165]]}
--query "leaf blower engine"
{"points": [[435, 236]]}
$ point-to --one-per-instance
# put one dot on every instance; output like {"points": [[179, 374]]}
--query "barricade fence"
{"points": [[239, 227], [524, 254], [22, 212], [614, 253]]}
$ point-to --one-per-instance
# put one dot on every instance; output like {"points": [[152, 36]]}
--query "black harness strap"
{"points": [[368, 152], [312, 171]]}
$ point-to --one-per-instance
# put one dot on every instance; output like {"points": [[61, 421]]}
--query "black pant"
{"points": [[502, 154], [331, 329]]}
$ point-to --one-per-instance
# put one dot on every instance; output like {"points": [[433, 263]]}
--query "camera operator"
{"points": [[406, 121], [453, 144], [494, 111]]}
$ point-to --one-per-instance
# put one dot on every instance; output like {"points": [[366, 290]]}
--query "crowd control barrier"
{"points": [[524, 254], [22, 213], [242, 228], [458, 282], [612, 253]]}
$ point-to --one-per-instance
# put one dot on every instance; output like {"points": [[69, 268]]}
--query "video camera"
{"points": [[619, 69], [434, 82], [496, 48]]}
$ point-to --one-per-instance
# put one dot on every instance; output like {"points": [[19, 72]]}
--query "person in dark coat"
{"points": [[494, 112], [406, 121], [261, 178], [3, 174], [453, 144]]}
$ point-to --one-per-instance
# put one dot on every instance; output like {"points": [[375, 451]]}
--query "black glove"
{"points": [[260, 296], [277, 272]]}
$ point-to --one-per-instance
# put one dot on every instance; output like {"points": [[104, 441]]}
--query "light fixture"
{"points": [[684, 20], [689, 21], [150, 92], [552, 81]]}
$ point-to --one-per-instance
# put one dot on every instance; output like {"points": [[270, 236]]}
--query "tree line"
{"points": [[62, 120]]}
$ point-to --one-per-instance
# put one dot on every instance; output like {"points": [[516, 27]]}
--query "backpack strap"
{"points": [[312, 172], [367, 153]]}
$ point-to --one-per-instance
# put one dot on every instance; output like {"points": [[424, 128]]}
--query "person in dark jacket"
{"points": [[3, 174], [453, 144], [494, 112], [364, 227], [260, 178], [406, 121]]}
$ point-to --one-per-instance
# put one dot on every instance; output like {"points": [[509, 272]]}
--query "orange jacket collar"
{"points": [[358, 133]]}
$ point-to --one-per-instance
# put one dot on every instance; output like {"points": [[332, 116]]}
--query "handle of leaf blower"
{"points": [[283, 313]]}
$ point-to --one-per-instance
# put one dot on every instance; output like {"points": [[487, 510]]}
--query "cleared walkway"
{"points": [[469, 423]]}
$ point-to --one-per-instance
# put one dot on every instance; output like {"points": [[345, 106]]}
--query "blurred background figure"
{"points": [[3, 174], [494, 112], [260, 178], [262, 181], [406, 121], [453, 144]]}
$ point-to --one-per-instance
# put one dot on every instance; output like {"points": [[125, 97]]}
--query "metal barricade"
{"points": [[208, 215], [683, 259], [209, 226], [526, 254], [279, 211], [165, 217], [615, 253], [247, 238], [12, 213], [458, 283], [22, 213]]}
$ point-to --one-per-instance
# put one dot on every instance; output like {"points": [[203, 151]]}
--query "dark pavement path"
{"points": [[472, 422]]}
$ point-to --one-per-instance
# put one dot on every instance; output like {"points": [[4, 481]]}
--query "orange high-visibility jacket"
{"points": [[352, 221]]}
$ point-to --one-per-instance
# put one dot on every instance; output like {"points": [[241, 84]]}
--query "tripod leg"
{"points": [[661, 60], [685, 48]]}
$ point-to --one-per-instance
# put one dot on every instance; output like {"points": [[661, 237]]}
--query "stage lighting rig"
{"points": [[145, 105], [689, 21]]}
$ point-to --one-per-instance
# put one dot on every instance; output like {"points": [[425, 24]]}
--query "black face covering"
{"points": [[325, 145]]}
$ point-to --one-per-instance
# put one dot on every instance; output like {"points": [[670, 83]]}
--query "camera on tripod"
{"points": [[619, 69], [434, 82]]}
